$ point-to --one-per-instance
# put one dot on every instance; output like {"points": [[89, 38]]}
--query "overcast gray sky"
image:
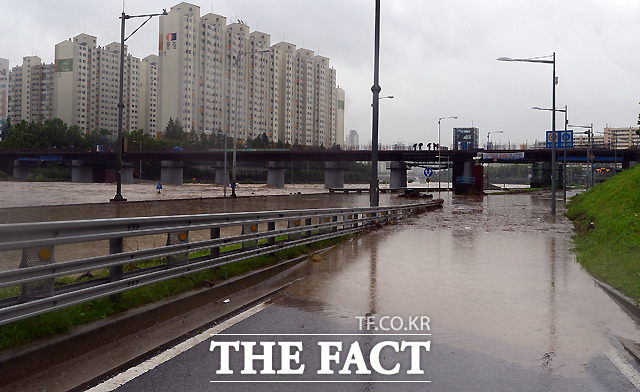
{"points": [[438, 58]]}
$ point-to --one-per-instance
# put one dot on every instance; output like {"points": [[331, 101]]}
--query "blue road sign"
{"points": [[562, 138], [428, 172]]}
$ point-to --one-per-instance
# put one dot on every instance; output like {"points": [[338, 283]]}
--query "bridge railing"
{"points": [[193, 243]]}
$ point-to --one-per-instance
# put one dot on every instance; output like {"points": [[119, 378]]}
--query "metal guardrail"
{"points": [[261, 233]]}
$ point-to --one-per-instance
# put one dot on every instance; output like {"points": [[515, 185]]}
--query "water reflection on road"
{"points": [[494, 274]]}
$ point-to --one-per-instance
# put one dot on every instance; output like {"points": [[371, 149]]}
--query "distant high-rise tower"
{"points": [[353, 139], [4, 95]]}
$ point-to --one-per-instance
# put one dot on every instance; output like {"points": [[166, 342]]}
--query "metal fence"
{"points": [[193, 243]]}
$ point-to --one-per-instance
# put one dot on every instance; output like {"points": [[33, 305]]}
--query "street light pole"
{"points": [[488, 141], [375, 89], [564, 143], [118, 197], [589, 149], [440, 150], [553, 118]]}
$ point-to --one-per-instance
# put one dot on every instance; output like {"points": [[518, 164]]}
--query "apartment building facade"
{"points": [[87, 85], [221, 77], [4, 95], [30, 91], [209, 75], [621, 138]]}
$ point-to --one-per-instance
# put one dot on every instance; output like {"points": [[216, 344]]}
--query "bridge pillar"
{"points": [[127, 174], [540, 175], [171, 172], [467, 178], [398, 175], [220, 175], [333, 174], [81, 172], [21, 169], [275, 174]]}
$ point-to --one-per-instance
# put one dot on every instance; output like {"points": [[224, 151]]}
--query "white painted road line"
{"points": [[629, 371], [131, 373]]}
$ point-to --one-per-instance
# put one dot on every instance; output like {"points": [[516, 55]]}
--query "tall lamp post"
{"points": [[542, 60], [123, 18], [488, 137], [489, 142], [235, 132], [564, 143], [440, 149], [387, 97], [375, 89], [590, 156]]}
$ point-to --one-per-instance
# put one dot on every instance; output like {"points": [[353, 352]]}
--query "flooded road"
{"points": [[509, 307], [494, 275]]}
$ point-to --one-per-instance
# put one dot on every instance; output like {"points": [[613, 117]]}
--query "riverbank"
{"points": [[27, 194], [607, 226]]}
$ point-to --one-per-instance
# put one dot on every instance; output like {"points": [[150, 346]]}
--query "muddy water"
{"points": [[494, 274], [68, 201]]}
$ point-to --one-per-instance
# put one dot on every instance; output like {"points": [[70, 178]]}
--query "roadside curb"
{"points": [[18, 363], [628, 305]]}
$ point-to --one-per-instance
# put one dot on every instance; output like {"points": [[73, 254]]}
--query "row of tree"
{"points": [[50, 133], [55, 133]]}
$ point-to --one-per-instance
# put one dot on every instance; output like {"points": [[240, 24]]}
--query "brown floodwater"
{"points": [[494, 274], [64, 202]]}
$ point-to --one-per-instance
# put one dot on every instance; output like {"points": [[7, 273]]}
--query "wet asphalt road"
{"points": [[509, 309]]}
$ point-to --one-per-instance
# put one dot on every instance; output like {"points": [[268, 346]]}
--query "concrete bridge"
{"points": [[466, 164]]}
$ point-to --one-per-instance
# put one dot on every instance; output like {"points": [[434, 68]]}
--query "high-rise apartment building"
{"points": [[338, 113], [87, 85], [148, 104], [284, 58], [30, 93], [4, 95], [213, 76]]}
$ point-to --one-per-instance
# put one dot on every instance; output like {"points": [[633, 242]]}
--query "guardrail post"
{"points": [[115, 272], [334, 219], [215, 233], [32, 257], [307, 222], [271, 226]]}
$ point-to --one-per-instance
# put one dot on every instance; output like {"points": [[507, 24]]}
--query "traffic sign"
{"points": [[563, 139], [428, 172]]}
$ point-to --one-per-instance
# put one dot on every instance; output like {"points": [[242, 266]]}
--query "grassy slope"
{"points": [[610, 249]]}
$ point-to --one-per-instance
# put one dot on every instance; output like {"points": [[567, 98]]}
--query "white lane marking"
{"points": [[629, 371], [131, 373]]}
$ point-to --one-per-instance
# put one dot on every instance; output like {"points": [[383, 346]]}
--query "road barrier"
{"points": [[33, 284]]}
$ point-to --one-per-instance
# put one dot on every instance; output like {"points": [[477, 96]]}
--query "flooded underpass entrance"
{"points": [[506, 306], [499, 283]]}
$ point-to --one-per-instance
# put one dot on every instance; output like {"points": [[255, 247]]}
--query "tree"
{"points": [[261, 141], [51, 133], [174, 130]]}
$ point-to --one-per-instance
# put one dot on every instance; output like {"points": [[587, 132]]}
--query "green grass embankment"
{"points": [[607, 226]]}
